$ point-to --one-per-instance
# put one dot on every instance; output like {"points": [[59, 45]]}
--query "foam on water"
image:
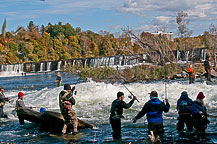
{"points": [[93, 100]]}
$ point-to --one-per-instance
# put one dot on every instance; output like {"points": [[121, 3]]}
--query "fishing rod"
{"points": [[165, 90], [126, 87]]}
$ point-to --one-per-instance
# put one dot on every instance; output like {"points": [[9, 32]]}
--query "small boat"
{"points": [[30, 115], [49, 120], [54, 122]]}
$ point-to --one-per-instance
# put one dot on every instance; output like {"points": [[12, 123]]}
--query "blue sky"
{"points": [[110, 15]]}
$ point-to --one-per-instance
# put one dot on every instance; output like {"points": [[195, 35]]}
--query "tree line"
{"points": [[63, 41]]}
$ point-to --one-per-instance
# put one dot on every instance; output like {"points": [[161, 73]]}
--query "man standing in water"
{"points": [[207, 68], [2, 102], [58, 80], [191, 73], [154, 109], [184, 104], [117, 113], [199, 115], [20, 105], [66, 101]]}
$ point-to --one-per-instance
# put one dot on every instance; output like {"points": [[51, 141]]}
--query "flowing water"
{"points": [[93, 101]]}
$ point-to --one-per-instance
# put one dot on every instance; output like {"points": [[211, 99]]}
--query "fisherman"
{"points": [[191, 73], [3, 99], [58, 79], [199, 115], [154, 109], [117, 113], [20, 105], [66, 101], [207, 68], [184, 104]]}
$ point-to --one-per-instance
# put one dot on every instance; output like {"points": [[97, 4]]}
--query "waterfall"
{"points": [[203, 55], [178, 56], [33, 67], [187, 55], [58, 66], [85, 62], [48, 66], [17, 68], [41, 67]]}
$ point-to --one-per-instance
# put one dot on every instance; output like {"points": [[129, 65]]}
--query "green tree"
{"points": [[3, 29]]}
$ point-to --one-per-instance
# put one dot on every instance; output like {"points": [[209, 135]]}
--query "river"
{"points": [[93, 101]]}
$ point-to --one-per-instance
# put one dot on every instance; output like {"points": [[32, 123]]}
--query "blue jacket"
{"points": [[196, 107], [154, 109]]}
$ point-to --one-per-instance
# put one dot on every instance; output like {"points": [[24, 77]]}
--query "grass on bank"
{"points": [[134, 74]]}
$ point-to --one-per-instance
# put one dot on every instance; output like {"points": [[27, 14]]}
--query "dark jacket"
{"points": [[154, 109], [200, 120], [59, 79], [118, 106], [184, 104], [207, 65]]}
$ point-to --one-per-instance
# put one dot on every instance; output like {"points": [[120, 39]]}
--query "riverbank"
{"points": [[93, 103], [136, 73]]}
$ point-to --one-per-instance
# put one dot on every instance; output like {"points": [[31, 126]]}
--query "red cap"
{"points": [[200, 95], [20, 94]]}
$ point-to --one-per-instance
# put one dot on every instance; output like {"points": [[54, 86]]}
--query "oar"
{"points": [[126, 87]]}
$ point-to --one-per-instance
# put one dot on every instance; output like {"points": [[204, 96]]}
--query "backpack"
{"points": [[184, 106]]}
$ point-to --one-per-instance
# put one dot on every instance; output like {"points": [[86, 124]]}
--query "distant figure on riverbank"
{"points": [[207, 68], [58, 80], [191, 74], [3, 99]]}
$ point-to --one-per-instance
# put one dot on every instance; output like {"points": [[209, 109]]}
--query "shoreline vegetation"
{"points": [[135, 74]]}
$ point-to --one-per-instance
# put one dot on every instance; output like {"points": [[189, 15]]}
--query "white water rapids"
{"points": [[93, 100]]}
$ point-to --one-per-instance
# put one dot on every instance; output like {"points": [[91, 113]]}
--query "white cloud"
{"points": [[147, 28], [195, 8], [163, 20], [114, 27]]}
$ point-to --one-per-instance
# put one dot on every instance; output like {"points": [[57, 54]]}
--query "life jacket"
{"points": [[191, 71]]}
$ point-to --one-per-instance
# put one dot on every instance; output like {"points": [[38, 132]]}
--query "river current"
{"points": [[93, 102]]}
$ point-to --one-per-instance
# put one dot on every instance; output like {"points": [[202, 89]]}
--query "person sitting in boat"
{"points": [[117, 113], [20, 105], [184, 104], [154, 109], [66, 101], [191, 73], [199, 114], [3, 99], [58, 80]]}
